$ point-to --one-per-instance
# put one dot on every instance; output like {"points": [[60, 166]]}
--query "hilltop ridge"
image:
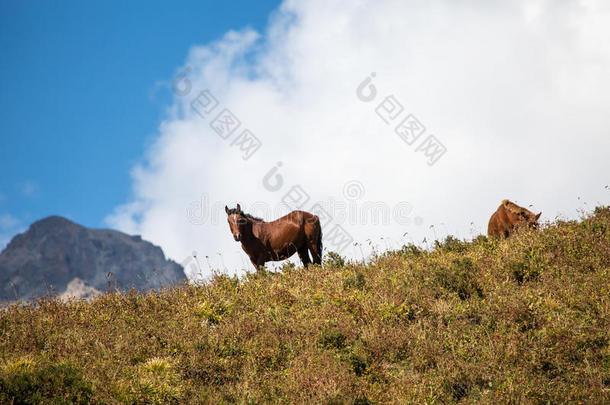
{"points": [[522, 320]]}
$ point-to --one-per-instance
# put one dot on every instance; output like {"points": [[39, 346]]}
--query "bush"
{"points": [[411, 250], [459, 278], [154, 382], [332, 338], [334, 260], [451, 244], [528, 268], [355, 281], [522, 271], [602, 211], [53, 384]]}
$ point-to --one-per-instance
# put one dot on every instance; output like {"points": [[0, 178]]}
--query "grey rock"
{"points": [[79, 289], [54, 251]]}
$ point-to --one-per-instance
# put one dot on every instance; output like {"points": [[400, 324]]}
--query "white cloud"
{"points": [[7, 221], [516, 91], [29, 188]]}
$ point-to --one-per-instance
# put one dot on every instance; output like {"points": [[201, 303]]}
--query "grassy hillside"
{"points": [[525, 320]]}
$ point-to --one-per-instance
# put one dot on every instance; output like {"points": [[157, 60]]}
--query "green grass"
{"points": [[525, 320]]}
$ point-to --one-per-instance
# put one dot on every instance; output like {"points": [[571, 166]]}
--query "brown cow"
{"points": [[509, 217]]}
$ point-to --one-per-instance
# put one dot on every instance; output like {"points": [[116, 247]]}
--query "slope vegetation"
{"points": [[525, 320]]}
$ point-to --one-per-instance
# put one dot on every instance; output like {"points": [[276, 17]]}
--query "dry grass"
{"points": [[525, 320]]}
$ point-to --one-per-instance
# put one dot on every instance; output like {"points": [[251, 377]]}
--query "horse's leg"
{"points": [[315, 252], [313, 239], [304, 255], [258, 264]]}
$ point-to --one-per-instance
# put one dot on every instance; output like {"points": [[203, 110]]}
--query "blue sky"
{"points": [[84, 88]]}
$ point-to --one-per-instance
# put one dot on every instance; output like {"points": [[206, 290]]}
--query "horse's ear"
{"points": [[227, 210], [238, 208], [538, 216]]}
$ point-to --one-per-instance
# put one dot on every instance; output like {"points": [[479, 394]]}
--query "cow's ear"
{"points": [[227, 210], [538, 216]]}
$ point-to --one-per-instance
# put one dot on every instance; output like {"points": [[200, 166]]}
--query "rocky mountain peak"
{"points": [[54, 251]]}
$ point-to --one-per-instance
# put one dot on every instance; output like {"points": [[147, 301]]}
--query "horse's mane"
{"points": [[514, 208], [251, 217]]}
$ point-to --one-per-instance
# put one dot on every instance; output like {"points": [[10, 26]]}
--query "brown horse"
{"points": [[509, 217], [299, 231]]}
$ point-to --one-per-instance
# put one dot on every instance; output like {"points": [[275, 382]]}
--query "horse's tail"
{"points": [[319, 243]]}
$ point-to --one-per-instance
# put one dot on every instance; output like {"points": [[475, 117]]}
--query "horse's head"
{"points": [[237, 222], [522, 217], [530, 219]]}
